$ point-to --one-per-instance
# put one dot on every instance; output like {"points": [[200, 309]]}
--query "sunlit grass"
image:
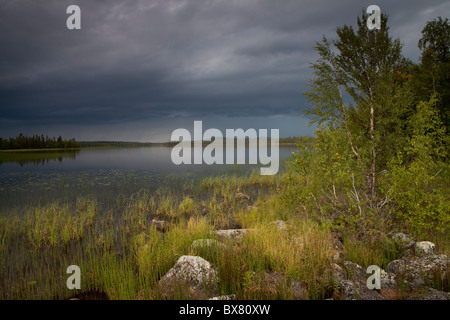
{"points": [[123, 255]]}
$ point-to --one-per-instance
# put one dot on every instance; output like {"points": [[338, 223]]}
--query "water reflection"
{"points": [[24, 158], [105, 174]]}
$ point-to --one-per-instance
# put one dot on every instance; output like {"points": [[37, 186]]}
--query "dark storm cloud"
{"points": [[136, 60]]}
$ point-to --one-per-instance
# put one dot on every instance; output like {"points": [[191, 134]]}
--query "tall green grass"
{"points": [[122, 255]]}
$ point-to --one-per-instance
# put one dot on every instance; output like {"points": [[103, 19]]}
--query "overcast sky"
{"points": [[138, 69]]}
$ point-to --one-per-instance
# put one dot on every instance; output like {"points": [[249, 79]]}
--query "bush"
{"points": [[419, 175], [421, 197]]}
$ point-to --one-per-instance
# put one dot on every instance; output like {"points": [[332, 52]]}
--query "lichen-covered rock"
{"points": [[424, 248], [354, 271], [388, 281], [355, 290], [420, 271], [207, 243], [337, 272], [280, 224], [232, 234], [242, 196], [406, 241], [430, 294], [226, 297], [194, 271]]}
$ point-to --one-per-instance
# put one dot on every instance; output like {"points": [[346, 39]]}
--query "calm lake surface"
{"points": [[105, 174]]}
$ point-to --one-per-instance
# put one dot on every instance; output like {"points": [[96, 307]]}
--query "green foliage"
{"points": [[329, 157], [428, 135], [378, 161], [419, 176], [421, 197], [432, 75], [363, 88], [436, 37], [327, 186]]}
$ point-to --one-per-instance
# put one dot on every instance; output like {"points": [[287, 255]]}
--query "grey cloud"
{"points": [[139, 60]]}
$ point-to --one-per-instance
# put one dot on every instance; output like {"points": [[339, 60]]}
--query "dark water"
{"points": [[105, 173]]}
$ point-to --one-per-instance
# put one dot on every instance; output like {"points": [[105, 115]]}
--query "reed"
{"points": [[122, 254]]}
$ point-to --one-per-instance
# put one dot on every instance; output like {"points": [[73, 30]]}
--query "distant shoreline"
{"points": [[123, 144], [92, 145]]}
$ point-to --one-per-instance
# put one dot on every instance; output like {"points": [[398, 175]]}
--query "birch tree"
{"points": [[361, 85]]}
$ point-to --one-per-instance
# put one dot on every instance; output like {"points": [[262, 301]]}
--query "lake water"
{"points": [[104, 173]]}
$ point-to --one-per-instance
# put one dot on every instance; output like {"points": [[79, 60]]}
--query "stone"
{"points": [[232, 234], [404, 242], [160, 225], [242, 196], [195, 271], [391, 287], [354, 290], [388, 280], [337, 272], [225, 297], [207, 243], [430, 294], [424, 248], [354, 271], [280, 224], [420, 271]]}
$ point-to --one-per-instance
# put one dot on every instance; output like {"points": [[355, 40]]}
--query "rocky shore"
{"points": [[411, 277]]}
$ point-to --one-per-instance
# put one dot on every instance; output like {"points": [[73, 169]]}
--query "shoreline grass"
{"points": [[122, 255]]}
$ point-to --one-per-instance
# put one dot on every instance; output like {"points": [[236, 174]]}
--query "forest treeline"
{"points": [[37, 142], [45, 142]]}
